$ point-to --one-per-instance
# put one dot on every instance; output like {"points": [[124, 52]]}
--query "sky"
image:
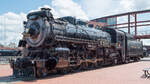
{"points": [[13, 12]]}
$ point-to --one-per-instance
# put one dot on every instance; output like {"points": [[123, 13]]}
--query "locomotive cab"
{"points": [[117, 37], [118, 40], [127, 45]]}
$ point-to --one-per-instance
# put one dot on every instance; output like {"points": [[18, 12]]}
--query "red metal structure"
{"points": [[134, 23]]}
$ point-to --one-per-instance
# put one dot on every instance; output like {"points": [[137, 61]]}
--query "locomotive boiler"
{"points": [[65, 45]]}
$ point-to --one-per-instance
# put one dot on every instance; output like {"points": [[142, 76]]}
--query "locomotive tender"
{"points": [[65, 45]]}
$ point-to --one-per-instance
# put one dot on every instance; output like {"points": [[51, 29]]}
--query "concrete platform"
{"points": [[121, 74]]}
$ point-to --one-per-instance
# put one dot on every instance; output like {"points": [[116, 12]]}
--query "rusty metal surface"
{"points": [[122, 74]]}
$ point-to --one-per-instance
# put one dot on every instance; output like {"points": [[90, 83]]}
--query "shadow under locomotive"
{"points": [[66, 45]]}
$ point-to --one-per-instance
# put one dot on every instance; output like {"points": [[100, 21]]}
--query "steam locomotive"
{"points": [[66, 44]]}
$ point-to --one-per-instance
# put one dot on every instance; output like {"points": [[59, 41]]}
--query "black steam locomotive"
{"points": [[65, 45]]}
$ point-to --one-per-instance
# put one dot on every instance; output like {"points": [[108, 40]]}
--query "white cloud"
{"points": [[11, 27], [68, 8], [127, 4], [131, 5], [100, 8], [62, 8]]}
